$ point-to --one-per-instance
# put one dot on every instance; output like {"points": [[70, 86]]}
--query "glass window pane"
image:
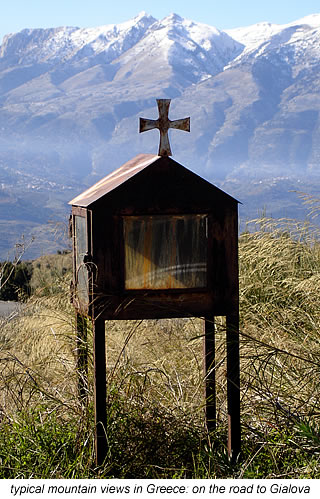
{"points": [[80, 251], [165, 252]]}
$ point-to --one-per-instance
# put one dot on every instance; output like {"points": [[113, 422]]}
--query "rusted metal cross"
{"points": [[163, 124]]}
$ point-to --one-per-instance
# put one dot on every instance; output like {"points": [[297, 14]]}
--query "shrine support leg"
{"points": [[100, 391], [82, 356], [210, 374], [233, 386]]}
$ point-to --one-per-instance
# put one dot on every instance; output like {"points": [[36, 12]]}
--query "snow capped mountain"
{"points": [[71, 99], [201, 49], [262, 37], [253, 36], [63, 44]]}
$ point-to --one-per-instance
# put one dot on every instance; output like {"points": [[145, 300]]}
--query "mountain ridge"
{"points": [[71, 99]]}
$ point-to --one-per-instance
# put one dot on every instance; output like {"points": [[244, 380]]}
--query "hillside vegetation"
{"points": [[155, 422]]}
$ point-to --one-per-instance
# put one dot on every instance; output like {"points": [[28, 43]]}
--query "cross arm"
{"points": [[146, 124], [183, 124]]}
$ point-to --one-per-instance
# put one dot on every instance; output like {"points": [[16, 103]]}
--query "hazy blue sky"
{"points": [[18, 14]]}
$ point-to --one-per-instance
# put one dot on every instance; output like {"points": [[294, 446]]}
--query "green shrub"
{"points": [[15, 280]]}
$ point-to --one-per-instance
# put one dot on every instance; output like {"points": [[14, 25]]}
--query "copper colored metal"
{"points": [[114, 179], [163, 124]]}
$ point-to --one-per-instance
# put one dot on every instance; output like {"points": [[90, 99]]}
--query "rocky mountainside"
{"points": [[71, 98]]}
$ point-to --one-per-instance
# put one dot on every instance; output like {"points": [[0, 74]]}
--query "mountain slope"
{"points": [[71, 99]]}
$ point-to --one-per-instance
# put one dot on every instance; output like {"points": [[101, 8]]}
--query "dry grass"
{"points": [[38, 355], [155, 373], [280, 284]]}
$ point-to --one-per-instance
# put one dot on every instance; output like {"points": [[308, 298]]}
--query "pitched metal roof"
{"points": [[120, 176], [114, 179]]}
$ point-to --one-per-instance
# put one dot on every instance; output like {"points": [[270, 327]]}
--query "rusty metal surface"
{"points": [[165, 252], [114, 179], [163, 124]]}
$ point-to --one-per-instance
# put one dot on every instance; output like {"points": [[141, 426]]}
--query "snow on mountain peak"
{"points": [[257, 34], [196, 50], [141, 15], [172, 18], [254, 35], [182, 43], [313, 20], [48, 45], [197, 31], [186, 38]]}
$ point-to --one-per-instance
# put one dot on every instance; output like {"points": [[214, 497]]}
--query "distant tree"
{"points": [[15, 280]]}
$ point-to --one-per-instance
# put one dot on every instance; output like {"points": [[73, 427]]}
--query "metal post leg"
{"points": [[82, 356], [100, 392], [210, 375], [233, 386]]}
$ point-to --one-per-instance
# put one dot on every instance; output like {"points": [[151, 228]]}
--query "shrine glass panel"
{"points": [[165, 252]]}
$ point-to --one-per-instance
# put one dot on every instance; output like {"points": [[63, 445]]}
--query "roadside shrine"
{"points": [[154, 240]]}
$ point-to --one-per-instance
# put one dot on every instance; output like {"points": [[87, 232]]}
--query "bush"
{"points": [[15, 280]]}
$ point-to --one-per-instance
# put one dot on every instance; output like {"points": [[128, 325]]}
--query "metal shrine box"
{"points": [[154, 240]]}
